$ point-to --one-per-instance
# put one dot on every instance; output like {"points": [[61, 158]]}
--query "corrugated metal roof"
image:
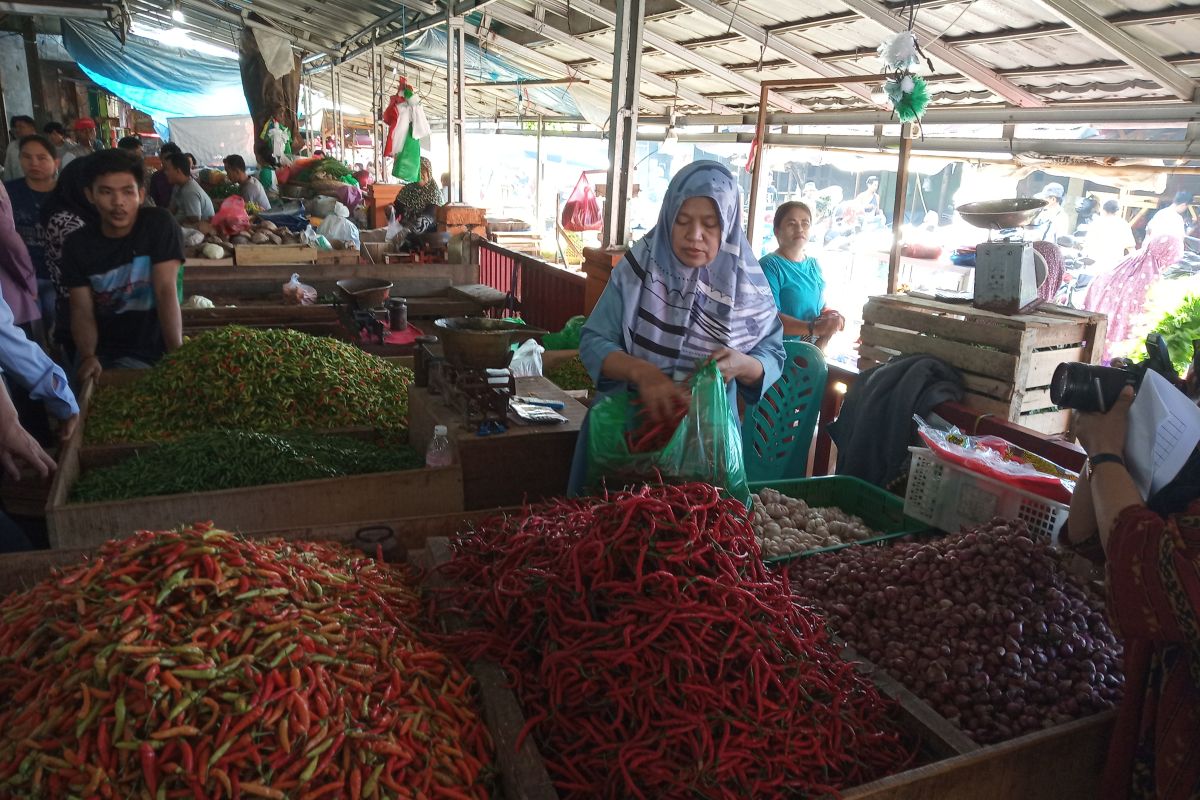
{"points": [[1023, 42]]}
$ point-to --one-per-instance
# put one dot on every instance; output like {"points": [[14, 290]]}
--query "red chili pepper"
{"points": [[149, 767]]}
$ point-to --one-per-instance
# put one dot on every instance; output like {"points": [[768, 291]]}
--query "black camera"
{"points": [[1086, 387]]}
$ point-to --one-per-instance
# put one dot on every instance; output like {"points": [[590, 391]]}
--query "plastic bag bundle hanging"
{"points": [[581, 212]]}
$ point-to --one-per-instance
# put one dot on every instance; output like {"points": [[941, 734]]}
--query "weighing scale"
{"points": [[1006, 268]]}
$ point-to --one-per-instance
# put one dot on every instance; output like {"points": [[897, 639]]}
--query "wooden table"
{"points": [[528, 462]]}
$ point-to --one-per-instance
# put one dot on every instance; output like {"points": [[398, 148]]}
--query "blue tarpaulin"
{"points": [[159, 80]]}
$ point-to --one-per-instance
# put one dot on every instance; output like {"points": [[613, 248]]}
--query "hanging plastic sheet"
{"points": [[159, 80]]}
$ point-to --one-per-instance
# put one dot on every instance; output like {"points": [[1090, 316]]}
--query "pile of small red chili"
{"points": [[201, 664], [657, 658], [650, 436]]}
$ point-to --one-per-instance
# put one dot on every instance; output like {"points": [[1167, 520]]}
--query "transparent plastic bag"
{"points": [[296, 293], [581, 212], [527, 360], [707, 445]]}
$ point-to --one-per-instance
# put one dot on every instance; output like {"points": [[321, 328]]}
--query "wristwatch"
{"points": [[1103, 458]]}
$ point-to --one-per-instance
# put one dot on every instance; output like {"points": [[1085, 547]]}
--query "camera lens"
{"points": [[1086, 387]]}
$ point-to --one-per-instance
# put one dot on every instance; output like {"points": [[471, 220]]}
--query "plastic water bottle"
{"points": [[438, 453]]}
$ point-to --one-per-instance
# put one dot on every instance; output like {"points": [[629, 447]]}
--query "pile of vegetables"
{"points": [[657, 658], [570, 375], [201, 664], [210, 460], [265, 380], [216, 244], [329, 169], [987, 626], [786, 526]]}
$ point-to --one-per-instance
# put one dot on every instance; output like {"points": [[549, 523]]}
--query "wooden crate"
{"points": [[347, 256], [223, 285], [328, 501], [1006, 361], [251, 255]]}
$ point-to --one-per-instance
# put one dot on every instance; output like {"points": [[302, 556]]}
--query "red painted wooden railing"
{"points": [[544, 295]]}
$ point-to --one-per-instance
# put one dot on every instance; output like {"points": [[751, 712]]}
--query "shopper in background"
{"points": [[122, 272], [251, 189], [39, 161], [65, 211], [18, 282], [690, 291], [796, 280], [160, 187], [67, 150], [189, 201], [131, 145], [17, 448], [20, 127], [1169, 221], [1109, 238], [1152, 551], [1121, 292], [416, 202], [1052, 221]]}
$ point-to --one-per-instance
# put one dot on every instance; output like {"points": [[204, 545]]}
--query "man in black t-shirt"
{"points": [[122, 272]]}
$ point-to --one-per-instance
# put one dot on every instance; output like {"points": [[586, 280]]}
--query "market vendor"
{"points": [[189, 202], [416, 202], [690, 291], [122, 271], [796, 280], [1153, 580], [251, 189]]}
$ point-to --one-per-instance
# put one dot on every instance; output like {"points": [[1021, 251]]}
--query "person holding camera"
{"points": [[1152, 550]]}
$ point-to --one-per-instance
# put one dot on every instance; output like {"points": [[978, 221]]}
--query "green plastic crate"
{"points": [[879, 509]]}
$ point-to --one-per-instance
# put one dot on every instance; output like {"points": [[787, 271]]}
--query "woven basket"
{"points": [[325, 186]]}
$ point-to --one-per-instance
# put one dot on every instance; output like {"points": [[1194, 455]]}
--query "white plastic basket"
{"points": [[950, 498]]}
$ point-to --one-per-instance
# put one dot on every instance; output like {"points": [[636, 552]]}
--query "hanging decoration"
{"points": [[900, 54], [407, 125], [280, 140]]}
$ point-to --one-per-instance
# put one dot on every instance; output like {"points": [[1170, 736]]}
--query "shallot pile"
{"points": [[987, 626], [786, 526]]}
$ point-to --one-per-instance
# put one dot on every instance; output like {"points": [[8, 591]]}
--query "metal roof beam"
{"points": [[1121, 44], [756, 33], [512, 16], [1124, 20], [674, 49], [967, 65], [428, 9], [213, 10]]}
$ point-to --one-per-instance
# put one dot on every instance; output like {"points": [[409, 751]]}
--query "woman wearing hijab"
{"points": [[689, 292], [416, 201], [66, 211], [1121, 292]]}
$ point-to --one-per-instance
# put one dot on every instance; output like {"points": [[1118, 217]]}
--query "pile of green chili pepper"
{"points": [[201, 664], [210, 460], [657, 658], [570, 375], [253, 379]]}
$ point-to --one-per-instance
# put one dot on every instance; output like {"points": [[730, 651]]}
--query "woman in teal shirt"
{"points": [[796, 281]]}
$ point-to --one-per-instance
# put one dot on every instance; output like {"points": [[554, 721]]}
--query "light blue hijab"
{"points": [[675, 315]]}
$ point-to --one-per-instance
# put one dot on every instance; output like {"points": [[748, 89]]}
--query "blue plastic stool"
{"points": [[777, 430]]}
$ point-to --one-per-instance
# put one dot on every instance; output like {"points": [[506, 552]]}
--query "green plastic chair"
{"points": [[777, 431]]}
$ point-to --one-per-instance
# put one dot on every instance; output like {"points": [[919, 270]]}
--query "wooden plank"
{"points": [[1051, 422], [1097, 332], [972, 359], [1061, 763], [253, 254], [327, 501], [964, 309], [988, 405], [522, 772], [1043, 364], [208, 262], [480, 293], [1062, 334], [962, 330], [989, 387], [875, 355], [1036, 400]]}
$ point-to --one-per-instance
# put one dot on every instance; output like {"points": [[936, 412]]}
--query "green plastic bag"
{"points": [[568, 337], [407, 165], [707, 445]]}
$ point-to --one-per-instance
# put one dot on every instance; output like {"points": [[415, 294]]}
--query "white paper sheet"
{"points": [[1164, 428]]}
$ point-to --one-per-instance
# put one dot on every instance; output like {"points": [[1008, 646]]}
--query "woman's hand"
{"points": [[1105, 433], [737, 366], [829, 323], [660, 396]]}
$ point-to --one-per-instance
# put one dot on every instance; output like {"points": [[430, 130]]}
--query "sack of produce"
{"points": [[337, 226], [296, 293], [231, 218], [703, 444], [581, 212]]}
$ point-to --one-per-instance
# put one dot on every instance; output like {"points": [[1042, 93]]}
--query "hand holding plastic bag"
{"points": [[707, 445]]}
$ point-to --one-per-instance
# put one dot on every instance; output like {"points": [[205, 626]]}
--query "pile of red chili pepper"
{"points": [[651, 436], [657, 658], [201, 664]]}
